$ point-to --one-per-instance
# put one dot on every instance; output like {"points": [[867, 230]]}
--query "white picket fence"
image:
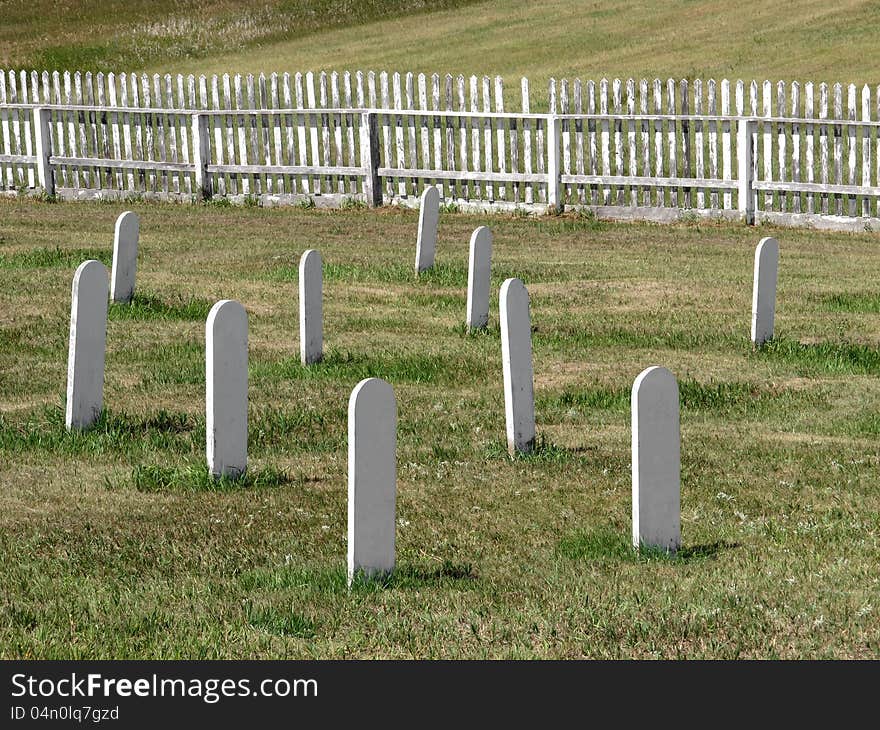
{"points": [[656, 150]]}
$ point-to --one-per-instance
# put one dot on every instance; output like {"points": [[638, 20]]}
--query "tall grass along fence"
{"points": [[799, 154]]}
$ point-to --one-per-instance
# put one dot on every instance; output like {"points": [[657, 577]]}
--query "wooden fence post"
{"points": [[43, 150], [554, 184], [201, 150], [745, 153], [370, 159]]}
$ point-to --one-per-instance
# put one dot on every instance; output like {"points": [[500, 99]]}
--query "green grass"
{"points": [[158, 478], [806, 40], [104, 35], [852, 302], [348, 367], [726, 397], [829, 357], [150, 306], [609, 546], [41, 258], [116, 542]]}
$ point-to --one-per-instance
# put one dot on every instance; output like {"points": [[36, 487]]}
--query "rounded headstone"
{"points": [[226, 382], [429, 216], [516, 356], [479, 277], [764, 290], [125, 250], [656, 459], [372, 478], [86, 347], [311, 333]]}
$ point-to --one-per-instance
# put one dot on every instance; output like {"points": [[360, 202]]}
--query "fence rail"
{"points": [[628, 148]]}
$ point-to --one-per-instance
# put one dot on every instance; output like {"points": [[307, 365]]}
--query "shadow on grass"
{"points": [[348, 366], [192, 478], [334, 580], [861, 302], [714, 396], [829, 357], [43, 258], [111, 432], [151, 307], [606, 544], [544, 451]]}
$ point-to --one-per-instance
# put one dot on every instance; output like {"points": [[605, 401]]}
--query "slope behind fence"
{"points": [[622, 148]]}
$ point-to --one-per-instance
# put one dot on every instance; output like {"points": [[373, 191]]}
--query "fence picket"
{"points": [[4, 122], [500, 145], [317, 187], [289, 121], [685, 142], [851, 134], [219, 180], [398, 134], [487, 136], [245, 178], [631, 139], [527, 139], [28, 125], [810, 149], [671, 135], [866, 148], [726, 154], [264, 142], [795, 144], [593, 138], [823, 143], [277, 121], [349, 132], [781, 144], [424, 132], [438, 141], [387, 154], [660, 195], [301, 133], [464, 188], [577, 100], [838, 147], [605, 137], [326, 121], [644, 106], [618, 138], [699, 162], [411, 129], [475, 136]]}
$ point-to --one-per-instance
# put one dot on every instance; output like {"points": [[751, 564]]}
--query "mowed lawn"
{"points": [[114, 544], [805, 40]]}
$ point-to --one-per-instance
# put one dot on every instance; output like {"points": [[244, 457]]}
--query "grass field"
{"points": [[113, 543], [805, 39]]}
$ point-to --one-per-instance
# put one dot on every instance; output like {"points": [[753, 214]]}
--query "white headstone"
{"points": [[88, 338], [429, 215], [125, 251], [372, 478], [311, 330], [516, 355], [226, 383], [764, 290], [479, 272], [656, 487]]}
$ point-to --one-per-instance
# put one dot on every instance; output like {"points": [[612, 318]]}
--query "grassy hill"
{"points": [[804, 39]]}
